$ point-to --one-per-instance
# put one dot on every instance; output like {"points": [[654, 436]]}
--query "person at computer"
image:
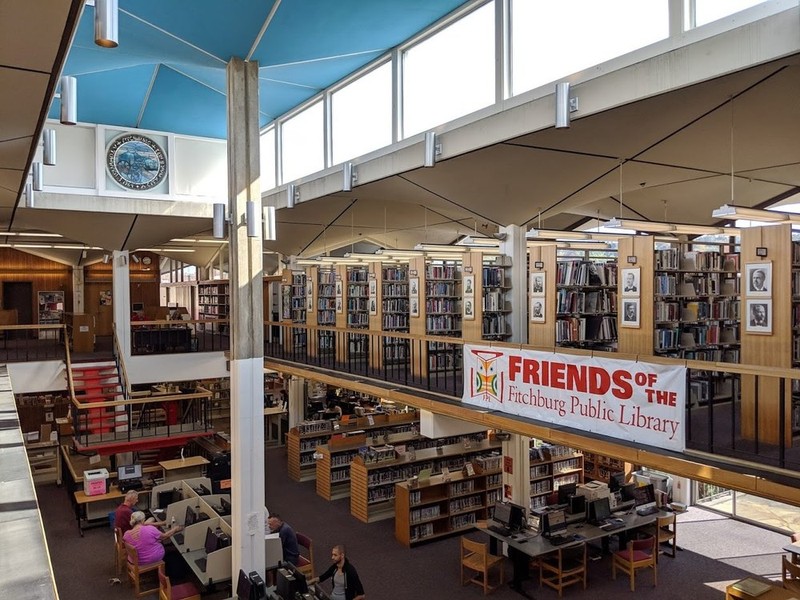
{"points": [[291, 551], [147, 540], [346, 583], [122, 516]]}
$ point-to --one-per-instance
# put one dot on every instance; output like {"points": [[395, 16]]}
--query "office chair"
{"points": [[666, 530], [475, 557], [183, 591], [305, 564], [563, 567], [120, 555], [639, 554], [135, 571], [790, 575]]}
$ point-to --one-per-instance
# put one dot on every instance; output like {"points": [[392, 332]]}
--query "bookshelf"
{"points": [[357, 311], [298, 308], [586, 300], [495, 302], [51, 312], [443, 506], [213, 300], [326, 310], [443, 315], [395, 313], [550, 467], [795, 337], [600, 468], [372, 484]]}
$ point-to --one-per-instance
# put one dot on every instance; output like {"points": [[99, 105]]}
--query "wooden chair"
{"points": [[475, 557], [305, 563], [120, 555], [790, 575], [667, 531], [183, 591], [639, 554], [795, 540], [563, 567], [135, 571]]}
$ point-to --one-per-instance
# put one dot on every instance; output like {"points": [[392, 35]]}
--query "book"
{"points": [[752, 587]]}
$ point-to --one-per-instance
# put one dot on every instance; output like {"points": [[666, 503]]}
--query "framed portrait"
{"points": [[469, 287], [413, 287], [630, 312], [373, 306], [537, 309], [537, 283], [469, 309], [373, 288], [338, 288], [758, 278], [759, 315], [631, 281], [309, 288], [413, 306], [339, 305], [309, 302]]}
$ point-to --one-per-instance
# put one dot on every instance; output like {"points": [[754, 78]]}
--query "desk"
{"points": [[147, 340], [183, 468], [774, 593], [90, 509], [274, 419]]}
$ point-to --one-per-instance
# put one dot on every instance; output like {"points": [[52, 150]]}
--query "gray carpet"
{"points": [[717, 551]]}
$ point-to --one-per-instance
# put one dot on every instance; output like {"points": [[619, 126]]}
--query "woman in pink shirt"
{"points": [[146, 539]]}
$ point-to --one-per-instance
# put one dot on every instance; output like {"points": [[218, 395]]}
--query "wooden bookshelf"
{"points": [[550, 467], [600, 468], [326, 310], [213, 300], [372, 486], [441, 507], [395, 314], [442, 300], [495, 304]]}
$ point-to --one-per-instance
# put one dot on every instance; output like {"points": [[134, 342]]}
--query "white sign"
{"points": [[636, 402]]}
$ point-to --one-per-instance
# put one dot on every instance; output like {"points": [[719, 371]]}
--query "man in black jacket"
{"points": [[346, 583]]}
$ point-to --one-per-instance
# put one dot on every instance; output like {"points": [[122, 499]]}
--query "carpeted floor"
{"points": [[716, 551]]}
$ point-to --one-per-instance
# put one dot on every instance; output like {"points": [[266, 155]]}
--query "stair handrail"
{"points": [[127, 389], [68, 363]]}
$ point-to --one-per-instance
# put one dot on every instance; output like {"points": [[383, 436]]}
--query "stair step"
{"points": [[94, 397]]}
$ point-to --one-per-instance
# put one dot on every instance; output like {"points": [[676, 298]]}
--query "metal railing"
{"points": [[168, 337], [25, 343]]}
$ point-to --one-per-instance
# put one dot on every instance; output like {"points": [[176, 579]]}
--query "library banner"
{"points": [[632, 401]]}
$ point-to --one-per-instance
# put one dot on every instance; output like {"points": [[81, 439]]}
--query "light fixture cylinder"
{"points": [[347, 175], [251, 219], [291, 190], [29, 194], [37, 176], [69, 100], [270, 226], [562, 105], [219, 221], [106, 23], [430, 149], [49, 143]]}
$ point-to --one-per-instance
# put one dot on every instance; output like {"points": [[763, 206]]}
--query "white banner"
{"points": [[632, 401]]}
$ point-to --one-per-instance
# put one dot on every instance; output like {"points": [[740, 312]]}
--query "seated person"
{"points": [[333, 410], [122, 516], [291, 552], [146, 540]]}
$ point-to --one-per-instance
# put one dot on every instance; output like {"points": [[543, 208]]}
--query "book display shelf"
{"points": [[372, 484], [303, 440], [443, 315], [495, 302], [395, 313], [446, 504], [586, 300], [796, 337], [213, 299], [357, 311], [298, 308], [550, 467], [326, 310]]}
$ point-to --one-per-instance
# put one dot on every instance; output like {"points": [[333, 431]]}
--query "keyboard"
{"points": [[644, 512], [558, 540], [201, 563], [612, 525], [504, 531], [178, 537]]}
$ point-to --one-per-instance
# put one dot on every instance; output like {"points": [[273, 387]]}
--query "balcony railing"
{"points": [[168, 337], [24, 343]]}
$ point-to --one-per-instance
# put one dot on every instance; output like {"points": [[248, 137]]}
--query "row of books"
{"points": [[573, 301], [713, 260], [441, 289], [583, 329], [357, 290], [425, 514], [442, 305], [586, 273], [326, 290], [357, 274], [712, 284], [395, 273], [696, 335], [440, 272], [443, 323], [493, 301], [395, 290], [466, 503], [495, 325], [493, 276], [326, 276]]}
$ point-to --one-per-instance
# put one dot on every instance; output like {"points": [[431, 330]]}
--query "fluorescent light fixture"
{"points": [[432, 149], [564, 105], [34, 234], [649, 226], [292, 195], [441, 248], [69, 100], [31, 246], [485, 242], [106, 23], [553, 234], [49, 143], [703, 230], [726, 211], [183, 250], [218, 227], [364, 256], [251, 221], [136, 259], [197, 241], [270, 225], [588, 245], [349, 176], [36, 176], [390, 252], [106, 258]]}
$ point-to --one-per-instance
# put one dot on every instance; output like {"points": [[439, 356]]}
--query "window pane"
{"points": [[303, 143], [267, 160], [450, 74], [551, 40], [711, 10], [362, 115]]}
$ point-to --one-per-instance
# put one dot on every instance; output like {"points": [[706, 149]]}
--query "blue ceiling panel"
{"points": [[310, 73], [215, 78], [277, 98], [180, 104]]}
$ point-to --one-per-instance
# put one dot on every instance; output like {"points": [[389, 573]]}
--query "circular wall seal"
{"points": [[136, 162]]}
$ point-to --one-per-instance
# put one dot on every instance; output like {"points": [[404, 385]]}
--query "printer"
{"points": [[593, 490]]}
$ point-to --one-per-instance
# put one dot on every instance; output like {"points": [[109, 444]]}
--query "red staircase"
{"points": [[98, 382]]}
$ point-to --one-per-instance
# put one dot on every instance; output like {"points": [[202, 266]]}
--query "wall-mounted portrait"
{"points": [[469, 285], [537, 283], [373, 306], [339, 305], [413, 306], [537, 310], [630, 312], [413, 287], [373, 288], [758, 277], [631, 281], [759, 316], [469, 309], [338, 288]]}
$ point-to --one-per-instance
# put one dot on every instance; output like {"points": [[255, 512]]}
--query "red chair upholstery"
{"points": [[639, 554], [305, 563], [182, 591]]}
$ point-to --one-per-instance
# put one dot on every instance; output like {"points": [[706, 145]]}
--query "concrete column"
{"points": [[515, 247], [247, 321], [518, 480], [297, 400], [121, 294], [78, 290]]}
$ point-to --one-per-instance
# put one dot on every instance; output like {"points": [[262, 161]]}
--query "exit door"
{"points": [[19, 295]]}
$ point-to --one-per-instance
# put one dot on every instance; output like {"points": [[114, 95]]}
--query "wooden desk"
{"points": [[183, 468], [274, 418], [774, 593], [84, 505], [44, 461]]}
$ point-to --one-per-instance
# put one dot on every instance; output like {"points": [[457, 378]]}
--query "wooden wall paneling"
{"points": [[341, 319], [773, 349], [637, 340], [376, 320], [43, 274], [543, 334]]}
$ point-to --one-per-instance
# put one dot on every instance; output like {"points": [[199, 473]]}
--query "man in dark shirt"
{"points": [[122, 516], [291, 552]]}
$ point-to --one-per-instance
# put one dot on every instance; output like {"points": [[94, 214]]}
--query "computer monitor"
{"points": [[517, 519], [244, 587], [137, 307], [645, 495], [290, 581], [126, 472], [212, 541], [616, 481], [502, 513], [627, 492], [164, 499], [226, 506], [577, 505], [554, 522], [599, 510], [177, 494], [565, 490], [190, 518]]}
